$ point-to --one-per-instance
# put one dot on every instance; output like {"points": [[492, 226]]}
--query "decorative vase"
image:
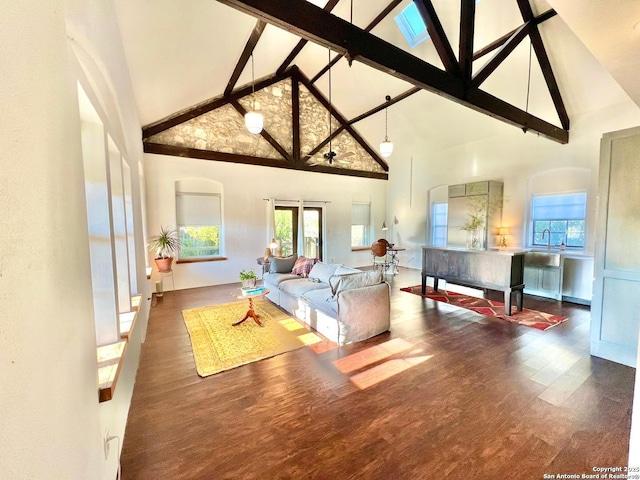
{"points": [[249, 282], [475, 239]]}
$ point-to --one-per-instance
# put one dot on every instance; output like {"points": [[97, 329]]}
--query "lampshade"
{"points": [[254, 122], [386, 148], [503, 231], [384, 225], [273, 243]]}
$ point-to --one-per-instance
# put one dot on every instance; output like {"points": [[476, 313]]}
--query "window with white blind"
{"points": [[559, 218], [439, 224], [199, 220], [360, 224]]}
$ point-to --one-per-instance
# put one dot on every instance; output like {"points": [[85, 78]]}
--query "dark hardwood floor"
{"points": [[463, 397]]}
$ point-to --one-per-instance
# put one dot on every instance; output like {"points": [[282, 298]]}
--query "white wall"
{"points": [[52, 423], [245, 211], [509, 156]]}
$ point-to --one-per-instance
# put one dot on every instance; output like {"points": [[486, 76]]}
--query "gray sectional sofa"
{"points": [[343, 304]]}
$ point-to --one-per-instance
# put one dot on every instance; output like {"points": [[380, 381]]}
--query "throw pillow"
{"points": [[340, 283], [322, 272], [303, 266], [282, 264]]}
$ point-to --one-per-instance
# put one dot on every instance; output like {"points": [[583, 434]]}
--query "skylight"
{"points": [[411, 25]]}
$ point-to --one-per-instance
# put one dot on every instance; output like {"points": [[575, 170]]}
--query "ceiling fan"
{"points": [[332, 156]]}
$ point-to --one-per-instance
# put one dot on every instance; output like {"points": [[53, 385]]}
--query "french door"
{"points": [[287, 231]]}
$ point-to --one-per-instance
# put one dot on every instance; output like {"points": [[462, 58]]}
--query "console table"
{"points": [[488, 269]]}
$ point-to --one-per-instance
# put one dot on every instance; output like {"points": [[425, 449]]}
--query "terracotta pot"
{"points": [[164, 264]]}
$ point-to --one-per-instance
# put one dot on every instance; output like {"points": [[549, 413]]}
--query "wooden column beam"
{"points": [[500, 41], [298, 48], [381, 16], [500, 56], [467, 26], [545, 64], [438, 35], [246, 54], [314, 24]]}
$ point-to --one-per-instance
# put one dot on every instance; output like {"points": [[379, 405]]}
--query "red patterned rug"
{"points": [[491, 308]]}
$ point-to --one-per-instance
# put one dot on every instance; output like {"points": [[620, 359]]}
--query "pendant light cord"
{"points": [[253, 86], [330, 150], [526, 109]]}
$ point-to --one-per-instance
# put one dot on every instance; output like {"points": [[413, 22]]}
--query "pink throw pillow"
{"points": [[303, 266]]}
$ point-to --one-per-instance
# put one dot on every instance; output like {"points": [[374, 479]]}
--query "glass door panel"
{"points": [[313, 233]]}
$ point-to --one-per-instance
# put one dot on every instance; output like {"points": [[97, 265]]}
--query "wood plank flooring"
{"points": [[447, 393]]}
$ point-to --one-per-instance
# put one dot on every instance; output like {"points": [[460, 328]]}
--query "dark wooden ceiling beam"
{"points": [[467, 27], [306, 21], [384, 105], [246, 54], [381, 16], [500, 41], [298, 48], [343, 122], [322, 144], [500, 55], [211, 104], [438, 35], [266, 135], [545, 64], [186, 152]]}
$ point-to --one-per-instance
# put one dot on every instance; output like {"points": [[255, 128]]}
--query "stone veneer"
{"points": [[223, 130]]}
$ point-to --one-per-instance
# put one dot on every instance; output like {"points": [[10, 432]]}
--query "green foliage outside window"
{"points": [[199, 241]]}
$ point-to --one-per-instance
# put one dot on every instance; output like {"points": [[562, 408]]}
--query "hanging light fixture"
{"points": [[253, 120], [386, 147]]}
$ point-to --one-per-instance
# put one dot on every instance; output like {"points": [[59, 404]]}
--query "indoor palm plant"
{"points": [[166, 244]]}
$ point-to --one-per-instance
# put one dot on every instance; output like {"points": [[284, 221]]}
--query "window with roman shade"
{"points": [[563, 216], [199, 221], [360, 224]]}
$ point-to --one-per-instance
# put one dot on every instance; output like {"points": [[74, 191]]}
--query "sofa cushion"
{"points": [[323, 301], [303, 266], [300, 286], [282, 264], [276, 279], [354, 280], [322, 271], [344, 270]]}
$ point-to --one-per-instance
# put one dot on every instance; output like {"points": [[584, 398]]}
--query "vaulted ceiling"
{"points": [[184, 54]]}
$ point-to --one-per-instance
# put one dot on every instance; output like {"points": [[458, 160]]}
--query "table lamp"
{"points": [[503, 232]]}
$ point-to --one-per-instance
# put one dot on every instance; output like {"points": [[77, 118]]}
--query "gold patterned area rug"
{"points": [[219, 346]]}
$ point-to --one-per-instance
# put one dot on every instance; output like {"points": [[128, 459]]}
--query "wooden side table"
{"points": [[251, 313]]}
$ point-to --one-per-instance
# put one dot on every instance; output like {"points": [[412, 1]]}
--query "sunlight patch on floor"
{"points": [[290, 324], [386, 370], [371, 355]]}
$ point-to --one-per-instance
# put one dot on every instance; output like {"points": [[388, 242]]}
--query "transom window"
{"points": [[560, 216]]}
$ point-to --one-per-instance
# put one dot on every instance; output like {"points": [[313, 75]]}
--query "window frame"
{"points": [[219, 226], [404, 24], [557, 236], [435, 225], [366, 228]]}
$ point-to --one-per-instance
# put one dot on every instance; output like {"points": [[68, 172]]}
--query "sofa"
{"points": [[343, 304]]}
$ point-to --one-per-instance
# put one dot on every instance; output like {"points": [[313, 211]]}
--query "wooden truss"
{"points": [[455, 82]]}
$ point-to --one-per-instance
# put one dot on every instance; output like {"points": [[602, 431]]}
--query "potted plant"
{"points": [[248, 278], [166, 244]]}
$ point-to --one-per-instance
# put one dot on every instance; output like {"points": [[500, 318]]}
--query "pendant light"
{"points": [[253, 120], [386, 147]]}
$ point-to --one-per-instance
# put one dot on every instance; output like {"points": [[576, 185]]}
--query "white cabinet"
{"points": [[543, 281]]}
